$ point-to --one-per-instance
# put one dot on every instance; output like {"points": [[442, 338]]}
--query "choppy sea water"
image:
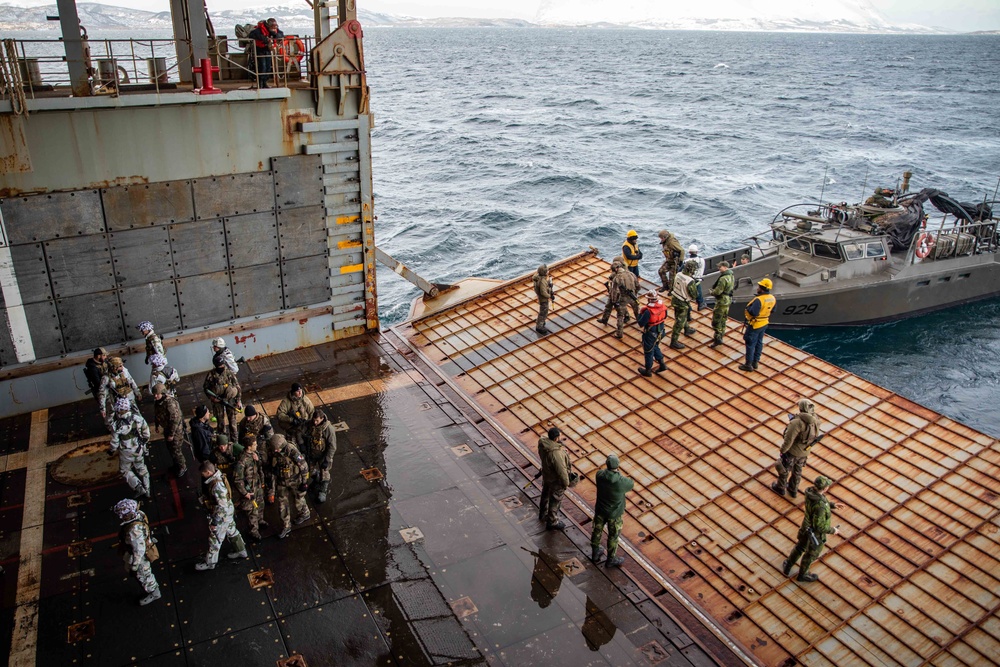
{"points": [[497, 149]]}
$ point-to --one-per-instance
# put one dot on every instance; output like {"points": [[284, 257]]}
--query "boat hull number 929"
{"points": [[805, 309]]}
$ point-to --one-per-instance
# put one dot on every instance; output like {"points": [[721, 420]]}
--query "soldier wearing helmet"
{"points": [[682, 296], [153, 343], [118, 383], [137, 547], [622, 290], [631, 253], [169, 417], [801, 434], [219, 347], [755, 323], [163, 374], [223, 390], [673, 256], [129, 436]]}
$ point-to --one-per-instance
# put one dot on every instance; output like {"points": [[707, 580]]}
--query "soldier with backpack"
{"points": [[137, 547]]}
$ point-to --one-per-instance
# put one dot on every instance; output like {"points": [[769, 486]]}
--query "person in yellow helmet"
{"points": [[631, 253], [755, 323]]}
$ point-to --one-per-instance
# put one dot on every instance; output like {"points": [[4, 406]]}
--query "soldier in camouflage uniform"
{"points": [[622, 289], [800, 435], [118, 383], [252, 425], [221, 524], [133, 539], [673, 255], [248, 479], [291, 477], [129, 436], [225, 454], [221, 385], [609, 510], [153, 343], [683, 294], [320, 448], [722, 290], [168, 417], [812, 534], [164, 374], [294, 414]]}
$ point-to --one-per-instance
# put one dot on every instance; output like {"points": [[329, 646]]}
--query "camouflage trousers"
{"points": [[317, 474], [621, 315], [682, 311], [614, 533], [143, 572], [220, 412], [176, 449], [217, 533], [551, 499], [793, 467], [543, 313], [667, 271], [807, 550], [289, 496], [254, 513], [720, 316], [132, 466]]}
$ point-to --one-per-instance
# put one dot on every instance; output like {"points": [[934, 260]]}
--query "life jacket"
{"points": [[262, 43], [767, 303], [631, 263], [657, 313], [680, 290]]}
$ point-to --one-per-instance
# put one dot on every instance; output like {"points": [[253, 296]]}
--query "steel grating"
{"points": [[914, 577]]}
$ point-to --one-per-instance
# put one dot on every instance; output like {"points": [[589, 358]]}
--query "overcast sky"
{"points": [[962, 15]]}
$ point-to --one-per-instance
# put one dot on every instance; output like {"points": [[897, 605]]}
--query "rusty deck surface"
{"points": [[914, 576]]}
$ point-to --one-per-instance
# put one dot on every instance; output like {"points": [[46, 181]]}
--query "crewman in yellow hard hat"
{"points": [[631, 253], [755, 323]]}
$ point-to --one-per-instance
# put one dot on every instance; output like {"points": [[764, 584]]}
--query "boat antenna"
{"points": [[864, 186], [823, 189], [995, 190]]}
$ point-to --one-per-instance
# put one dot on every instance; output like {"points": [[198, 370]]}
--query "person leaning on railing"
{"points": [[264, 36]]}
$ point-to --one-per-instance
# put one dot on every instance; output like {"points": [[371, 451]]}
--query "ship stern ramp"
{"points": [[912, 579]]}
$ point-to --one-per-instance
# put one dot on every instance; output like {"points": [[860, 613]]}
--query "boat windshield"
{"points": [[853, 250], [828, 250], [875, 250], [798, 244]]}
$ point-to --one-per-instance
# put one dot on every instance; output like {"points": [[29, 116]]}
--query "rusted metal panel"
{"points": [[198, 247], [141, 256], [256, 289], [91, 320], [156, 302], [306, 281], [205, 299], [51, 216], [238, 194], [143, 205], [79, 265], [31, 272], [252, 239], [298, 181], [302, 232], [913, 577]]}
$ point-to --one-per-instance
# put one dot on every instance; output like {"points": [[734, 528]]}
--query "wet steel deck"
{"points": [[442, 562], [914, 577]]}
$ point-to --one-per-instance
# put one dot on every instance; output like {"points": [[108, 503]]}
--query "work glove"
{"points": [[325, 465], [303, 487]]}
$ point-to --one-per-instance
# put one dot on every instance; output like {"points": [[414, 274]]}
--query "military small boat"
{"points": [[881, 260]]}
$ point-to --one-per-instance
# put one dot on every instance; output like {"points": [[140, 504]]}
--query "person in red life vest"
{"points": [[264, 36], [651, 319]]}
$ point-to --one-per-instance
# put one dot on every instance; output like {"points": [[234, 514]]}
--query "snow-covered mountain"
{"points": [[819, 15]]}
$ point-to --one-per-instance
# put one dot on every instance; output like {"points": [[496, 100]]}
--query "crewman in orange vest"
{"points": [[756, 318], [651, 319]]}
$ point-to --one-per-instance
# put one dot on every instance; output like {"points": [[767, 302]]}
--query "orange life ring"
{"points": [[286, 45], [925, 244]]}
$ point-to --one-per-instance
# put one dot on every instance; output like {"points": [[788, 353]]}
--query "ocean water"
{"points": [[496, 150]]}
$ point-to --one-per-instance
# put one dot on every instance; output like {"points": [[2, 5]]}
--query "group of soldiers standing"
{"points": [[242, 462]]}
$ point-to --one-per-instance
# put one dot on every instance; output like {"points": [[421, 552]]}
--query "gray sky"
{"points": [[961, 15]]}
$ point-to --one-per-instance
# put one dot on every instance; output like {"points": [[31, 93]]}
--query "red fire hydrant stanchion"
{"points": [[206, 70]]}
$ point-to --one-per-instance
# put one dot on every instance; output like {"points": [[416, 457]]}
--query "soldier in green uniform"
{"points": [[622, 290], [683, 294], [320, 448], [252, 424], [225, 454], [555, 478], [294, 414], [168, 416], [800, 435], [812, 534], [609, 511], [542, 282], [673, 255], [248, 480], [223, 389], [291, 479], [221, 524], [722, 290]]}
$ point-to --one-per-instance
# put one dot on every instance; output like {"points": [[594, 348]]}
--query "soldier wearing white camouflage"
{"points": [[219, 347], [290, 473], [133, 542], [221, 524], [168, 416], [320, 448], [118, 383], [153, 343], [163, 374], [129, 435]]}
